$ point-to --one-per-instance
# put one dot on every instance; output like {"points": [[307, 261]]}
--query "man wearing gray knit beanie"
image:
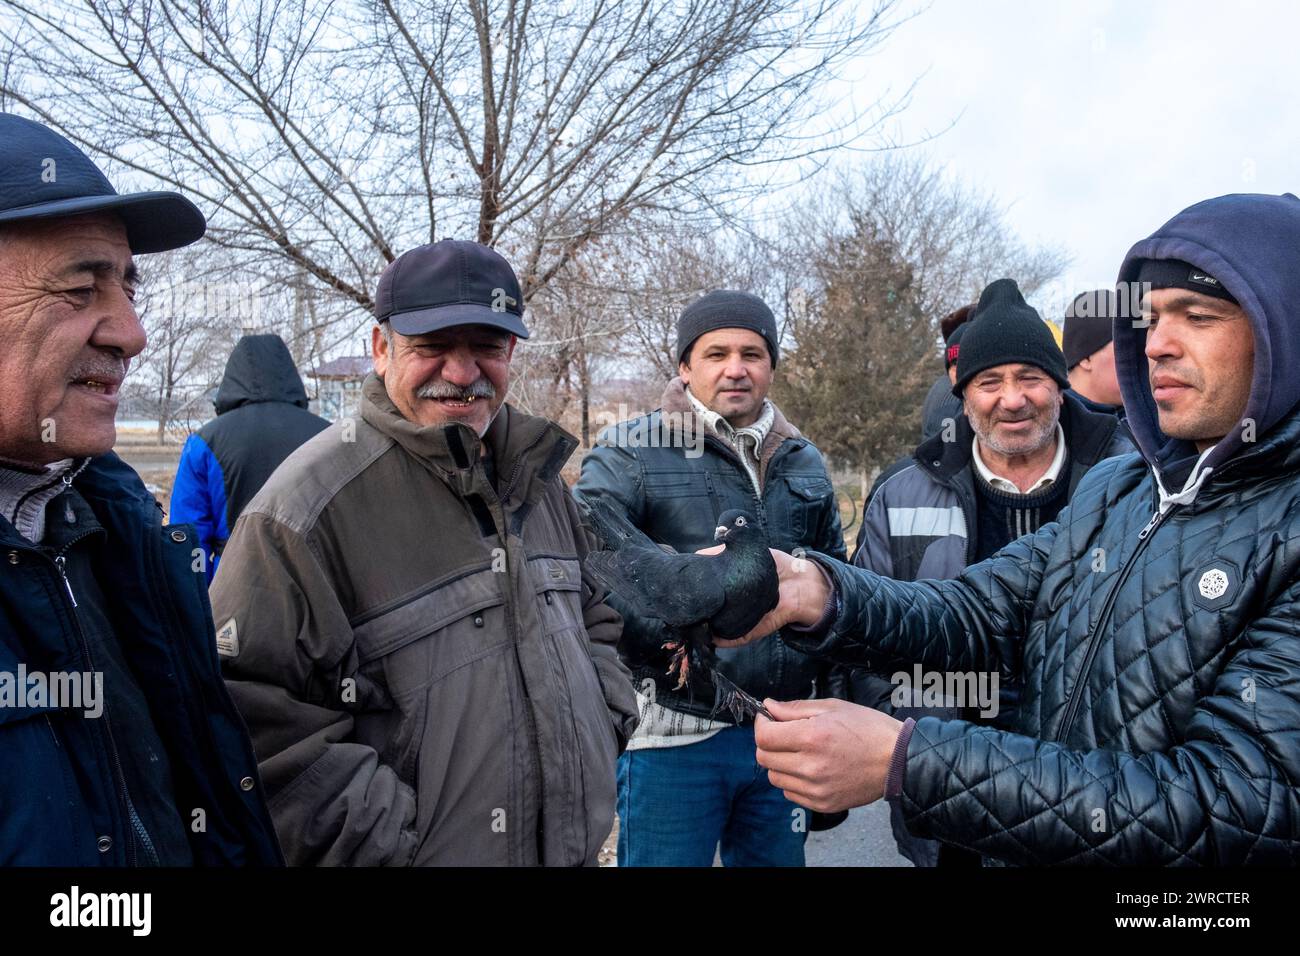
{"points": [[688, 786]]}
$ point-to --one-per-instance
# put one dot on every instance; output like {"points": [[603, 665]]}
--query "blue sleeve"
{"points": [[199, 498]]}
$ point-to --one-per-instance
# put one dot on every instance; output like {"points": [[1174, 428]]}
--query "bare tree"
{"points": [[193, 310], [870, 267], [955, 239], [328, 136]]}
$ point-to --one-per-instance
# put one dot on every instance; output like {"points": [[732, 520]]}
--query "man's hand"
{"points": [[827, 755], [803, 596]]}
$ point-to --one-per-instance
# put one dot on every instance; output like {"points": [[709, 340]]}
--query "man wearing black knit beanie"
{"points": [[688, 786], [1088, 343], [1002, 470]]}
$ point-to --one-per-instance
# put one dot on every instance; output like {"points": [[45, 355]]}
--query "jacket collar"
{"points": [[527, 451], [1087, 436], [675, 402], [1049, 477], [113, 491]]}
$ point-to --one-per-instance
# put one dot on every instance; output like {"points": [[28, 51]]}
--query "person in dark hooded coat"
{"points": [[261, 419]]}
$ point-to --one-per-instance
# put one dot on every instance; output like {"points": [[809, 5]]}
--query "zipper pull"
{"points": [[1155, 518], [60, 561]]}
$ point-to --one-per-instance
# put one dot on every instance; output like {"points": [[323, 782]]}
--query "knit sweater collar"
{"points": [[1048, 478], [24, 494]]}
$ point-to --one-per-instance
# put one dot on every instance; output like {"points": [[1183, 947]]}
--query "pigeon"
{"points": [[697, 597]]}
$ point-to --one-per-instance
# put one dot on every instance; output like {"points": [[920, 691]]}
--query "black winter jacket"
{"points": [[60, 804], [1161, 692], [675, 496], [262, 418]]}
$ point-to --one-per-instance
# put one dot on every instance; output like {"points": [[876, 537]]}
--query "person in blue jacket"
{"points": [[119, 745], [262, 418]]}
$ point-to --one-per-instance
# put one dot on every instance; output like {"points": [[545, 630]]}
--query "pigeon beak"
{"points": [[720, 532]]}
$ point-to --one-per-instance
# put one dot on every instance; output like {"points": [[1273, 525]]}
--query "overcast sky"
{"points": [[1097, 121]]}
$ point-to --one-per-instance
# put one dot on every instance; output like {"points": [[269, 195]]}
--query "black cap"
{"points": [[1177, 274], [953, 347], [726, 309], [1005, 329], [44, 176], [449, 283], [1089, 325]]}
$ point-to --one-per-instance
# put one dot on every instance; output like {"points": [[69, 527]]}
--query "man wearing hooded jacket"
{"points": [[1153, 626], [261, 419]]}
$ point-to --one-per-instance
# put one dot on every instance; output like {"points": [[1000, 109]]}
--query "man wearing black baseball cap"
{"points": [[457, 310], [429, 675], [94, 589]]}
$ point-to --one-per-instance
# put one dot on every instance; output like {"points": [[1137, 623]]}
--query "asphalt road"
{"points": [[864, 839]]}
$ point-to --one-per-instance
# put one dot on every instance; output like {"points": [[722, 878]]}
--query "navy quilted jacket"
{"points": [[1156, 634]]}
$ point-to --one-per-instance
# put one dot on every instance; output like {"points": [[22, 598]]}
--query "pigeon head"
{"points": [[734, 524]]}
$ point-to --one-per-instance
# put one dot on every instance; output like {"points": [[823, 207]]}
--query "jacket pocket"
{"points": [[811, 498], [411, 658], [667, 485]]}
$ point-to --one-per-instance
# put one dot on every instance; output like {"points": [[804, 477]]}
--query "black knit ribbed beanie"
{"points": [[1004, 329], [725, 309]]}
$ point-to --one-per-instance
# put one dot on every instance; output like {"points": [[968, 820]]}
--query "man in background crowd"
{"points": [[940, 403], [1090, 351], [1010, 464], [261, 418], [688, 785]]}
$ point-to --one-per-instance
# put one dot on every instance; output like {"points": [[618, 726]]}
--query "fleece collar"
{"points": [[676, 402]]}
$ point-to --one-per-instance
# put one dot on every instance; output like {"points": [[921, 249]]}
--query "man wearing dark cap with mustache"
{"points": [[430, 676], [95, 592]]}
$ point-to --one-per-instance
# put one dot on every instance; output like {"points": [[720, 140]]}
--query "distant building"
{"points": [[338, 386]]}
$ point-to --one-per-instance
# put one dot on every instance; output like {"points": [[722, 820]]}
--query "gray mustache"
{"points": [[481, 388], [101, 367]]}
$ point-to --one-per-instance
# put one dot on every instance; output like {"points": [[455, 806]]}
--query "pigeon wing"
{"points": [[613, 527], [678, 589]]}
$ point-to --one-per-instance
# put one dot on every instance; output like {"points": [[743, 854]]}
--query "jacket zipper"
{"points": [[513, 624], [734, 458], [137, 825], [1094, 642], [519, 465], [166, 605], [67, 477]]}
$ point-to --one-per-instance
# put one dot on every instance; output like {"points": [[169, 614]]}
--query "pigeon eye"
{"points": [[741, 522]]}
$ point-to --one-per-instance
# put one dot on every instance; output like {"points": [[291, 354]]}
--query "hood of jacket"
{"points": [[260, 369], [1249, 242]]}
